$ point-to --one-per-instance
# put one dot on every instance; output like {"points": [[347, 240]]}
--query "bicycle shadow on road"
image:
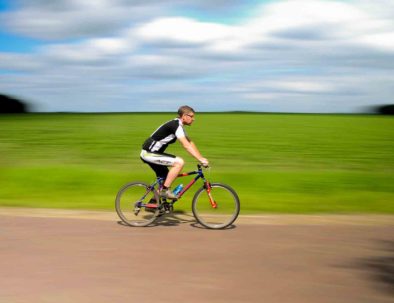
{"points": [[177, 218], [381, 268]]}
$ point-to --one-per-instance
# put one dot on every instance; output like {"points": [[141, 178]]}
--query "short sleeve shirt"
{"points": [[166, 134]]}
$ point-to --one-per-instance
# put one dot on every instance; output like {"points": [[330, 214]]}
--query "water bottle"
{"points": [[177, 189]]}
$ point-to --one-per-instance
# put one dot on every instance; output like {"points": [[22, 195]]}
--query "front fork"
{"points": [[208, 188]]}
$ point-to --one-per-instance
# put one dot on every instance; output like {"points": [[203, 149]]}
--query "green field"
{"points": [[278, 163]]}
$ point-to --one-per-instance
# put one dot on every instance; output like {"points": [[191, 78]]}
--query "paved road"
{"points": [[67, 260]]}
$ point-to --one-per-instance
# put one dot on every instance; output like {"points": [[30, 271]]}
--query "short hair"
{"points": [[184, 110]]}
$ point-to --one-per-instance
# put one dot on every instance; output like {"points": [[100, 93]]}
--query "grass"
{"points": [[282, 163]]}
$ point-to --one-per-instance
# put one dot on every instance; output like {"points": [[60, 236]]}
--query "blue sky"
{"points": [[154, 55]]}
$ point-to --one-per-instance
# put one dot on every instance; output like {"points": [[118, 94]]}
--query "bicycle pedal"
{"points": [[165, 208]]}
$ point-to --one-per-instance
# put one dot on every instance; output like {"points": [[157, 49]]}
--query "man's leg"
{"points": [[174, 171], [159, 163]]}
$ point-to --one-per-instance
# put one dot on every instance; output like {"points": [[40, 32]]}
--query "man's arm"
{"points": [[192, 149]]}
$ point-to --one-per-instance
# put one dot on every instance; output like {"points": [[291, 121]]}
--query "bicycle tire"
{"points": [[127, 200], [226, 212]]}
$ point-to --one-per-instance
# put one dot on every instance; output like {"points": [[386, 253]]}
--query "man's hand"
{"points": [[204, 162]]}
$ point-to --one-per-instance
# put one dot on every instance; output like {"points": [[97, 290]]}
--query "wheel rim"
{"points": [[128, 200], [223, 215]]}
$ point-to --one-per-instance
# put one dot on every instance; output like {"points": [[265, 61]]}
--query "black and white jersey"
{"points": [[166, 134]]}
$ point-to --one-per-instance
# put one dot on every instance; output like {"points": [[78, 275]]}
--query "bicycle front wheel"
{"points": [[136, 204], [216, 210]]}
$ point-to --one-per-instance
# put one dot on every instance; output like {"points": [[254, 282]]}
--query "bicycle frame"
{"points": [[199, 174]]}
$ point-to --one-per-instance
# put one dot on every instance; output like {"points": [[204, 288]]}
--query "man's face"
{"points": [[188, 118]]}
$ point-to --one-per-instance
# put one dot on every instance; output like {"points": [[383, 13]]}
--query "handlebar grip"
{"points": [[202, 165]]}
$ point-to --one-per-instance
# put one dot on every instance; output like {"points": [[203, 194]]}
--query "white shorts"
{"points": [[158, 159]]}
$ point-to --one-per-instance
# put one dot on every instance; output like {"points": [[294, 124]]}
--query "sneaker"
{"points": [[166, 193]]}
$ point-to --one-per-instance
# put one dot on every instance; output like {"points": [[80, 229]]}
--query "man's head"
{"points": [[186, 114]]}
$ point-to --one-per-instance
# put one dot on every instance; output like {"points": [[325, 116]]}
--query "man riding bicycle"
{"points": [[153, 149]]}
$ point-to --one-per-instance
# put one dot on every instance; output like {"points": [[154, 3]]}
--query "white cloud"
{"points": [[74, 19], [182, 30], [92, 50], [19, 62], [379, 41], [302, 86], [285, 24], [67, 19]]}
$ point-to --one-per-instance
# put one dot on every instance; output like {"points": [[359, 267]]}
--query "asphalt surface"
{"points": [[75, 260]]}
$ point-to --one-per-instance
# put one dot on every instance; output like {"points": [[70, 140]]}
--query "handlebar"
{"points": [[200, 165]]}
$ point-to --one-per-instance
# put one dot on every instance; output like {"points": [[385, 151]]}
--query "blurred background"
{"points": [[286, 93]]}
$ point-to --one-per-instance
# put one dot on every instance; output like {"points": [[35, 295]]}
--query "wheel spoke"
{"points": [[217, 209], [136, 205]]}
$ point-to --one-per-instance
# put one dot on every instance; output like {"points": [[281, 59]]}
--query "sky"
{"points": [[310, 56]]}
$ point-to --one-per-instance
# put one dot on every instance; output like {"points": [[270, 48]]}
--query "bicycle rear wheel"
{"points": [[135, 204], [224, 211]]}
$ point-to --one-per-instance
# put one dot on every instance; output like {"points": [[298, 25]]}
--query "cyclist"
{"points": [[153, 149]]}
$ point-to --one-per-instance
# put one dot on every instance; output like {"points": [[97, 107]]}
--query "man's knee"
{"points": [[179, 162]]}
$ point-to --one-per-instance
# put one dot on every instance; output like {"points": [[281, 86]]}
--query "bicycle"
{"points": [[138, 203]]}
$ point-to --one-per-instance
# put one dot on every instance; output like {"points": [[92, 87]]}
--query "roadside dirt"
{"points": [[267, 219]]}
